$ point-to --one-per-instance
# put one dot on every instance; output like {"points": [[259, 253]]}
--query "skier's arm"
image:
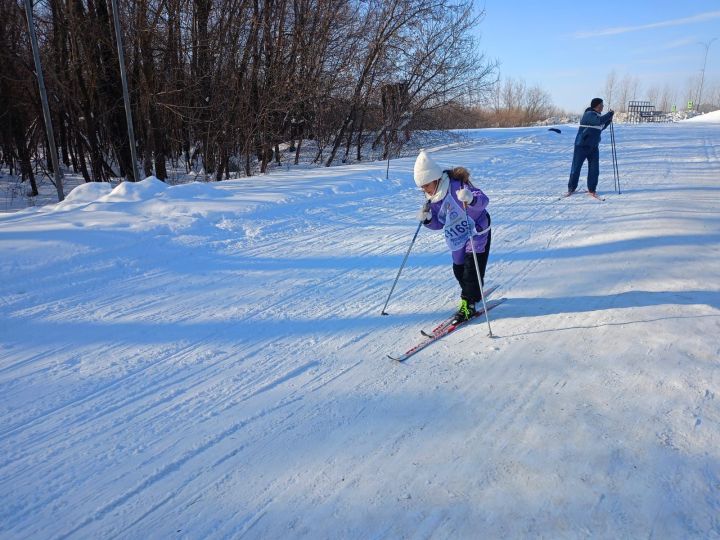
{"points": [[433, 223], [479, 203], [605, 119], [429, 218]]}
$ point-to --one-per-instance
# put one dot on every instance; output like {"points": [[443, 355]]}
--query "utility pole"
{"points": [[126, 96], [702, 76], [44, 100]]}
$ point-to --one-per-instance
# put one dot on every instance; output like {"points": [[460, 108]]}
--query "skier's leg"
{"points": [[470, 288], [470, 285], [593, 158], [577, 162], [483, 258], [459, 271]]}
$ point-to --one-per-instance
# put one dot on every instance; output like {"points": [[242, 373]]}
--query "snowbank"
{"points": [[85, 193], [710, 118], [136, 191]]}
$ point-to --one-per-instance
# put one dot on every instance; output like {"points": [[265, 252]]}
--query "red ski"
{"points": [[430, 339], [440, 327]]}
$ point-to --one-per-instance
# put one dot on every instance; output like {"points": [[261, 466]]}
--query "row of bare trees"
{"points": [[219, 85], [510, 103], [514, 103], [618, 91]]}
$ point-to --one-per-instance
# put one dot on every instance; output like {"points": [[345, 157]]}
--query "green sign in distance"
{"points": [[690, 105]]}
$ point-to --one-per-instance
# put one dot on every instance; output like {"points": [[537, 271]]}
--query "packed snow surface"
{"points": [[209, 360]]}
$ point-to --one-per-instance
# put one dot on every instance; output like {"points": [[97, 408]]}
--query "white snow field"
{"points": [[713, 117], [209, 360]]}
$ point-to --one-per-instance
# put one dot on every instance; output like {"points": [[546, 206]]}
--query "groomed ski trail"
{"points": [[221, 373]]}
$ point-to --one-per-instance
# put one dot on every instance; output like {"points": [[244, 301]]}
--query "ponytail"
{"points": [[461, 173]]}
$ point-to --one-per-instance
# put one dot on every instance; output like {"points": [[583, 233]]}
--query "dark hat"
{"points": [[595, 102]]}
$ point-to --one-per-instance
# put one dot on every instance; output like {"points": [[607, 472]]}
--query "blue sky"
{"points": [[569, 47]]}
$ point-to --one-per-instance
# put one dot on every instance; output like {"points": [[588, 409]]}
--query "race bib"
{"points": [[457, 227]]}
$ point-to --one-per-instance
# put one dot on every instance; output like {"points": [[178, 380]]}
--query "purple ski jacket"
{"points": [[476, 211]]}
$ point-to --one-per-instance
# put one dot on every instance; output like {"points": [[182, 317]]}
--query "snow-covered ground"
{"points": [[208, 360], [711, 117]]}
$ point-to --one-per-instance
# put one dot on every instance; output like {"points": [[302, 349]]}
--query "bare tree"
{"points": [[19, 102], [667, 98], [652, 94], [625, 92], [635, 88], [611, 84], [713, 99], [439, 65], [513, 103], [217, 86], [537, 104], [692, 86]]}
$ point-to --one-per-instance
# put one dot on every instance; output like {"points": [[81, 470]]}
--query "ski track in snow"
{"points": [[213, 365]]}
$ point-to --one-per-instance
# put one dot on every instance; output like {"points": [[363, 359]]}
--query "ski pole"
{"points": [[617, 167], [616, 171], [612, 154], [401, 267], [477, 272]]}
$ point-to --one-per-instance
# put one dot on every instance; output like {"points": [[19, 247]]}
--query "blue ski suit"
{"points": [[586, 147]]}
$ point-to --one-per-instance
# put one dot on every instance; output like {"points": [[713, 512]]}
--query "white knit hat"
{"points": [[426, 170]]}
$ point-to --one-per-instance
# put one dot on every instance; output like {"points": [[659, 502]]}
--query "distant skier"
{"points": [[449, 193], [586, 146]]}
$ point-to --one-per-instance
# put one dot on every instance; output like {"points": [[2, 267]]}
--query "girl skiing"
{"points": [[449, 195]]}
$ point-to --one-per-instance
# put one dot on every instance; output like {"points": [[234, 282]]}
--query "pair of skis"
{"points": [[446, 327]]}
